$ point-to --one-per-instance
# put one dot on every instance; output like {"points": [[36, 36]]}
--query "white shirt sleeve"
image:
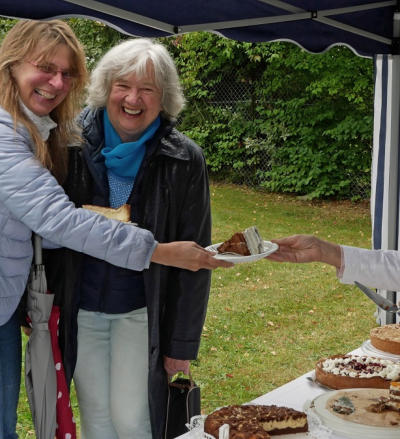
{"points": [[374, 268]]}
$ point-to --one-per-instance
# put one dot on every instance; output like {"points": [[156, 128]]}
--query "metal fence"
{"points": [[233, 97]]}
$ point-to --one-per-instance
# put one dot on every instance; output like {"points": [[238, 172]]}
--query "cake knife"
{"points": [[381, 301]]}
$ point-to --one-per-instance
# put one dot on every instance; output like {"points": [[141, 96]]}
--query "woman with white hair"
{"points": [[42, 78], [137, 328]]}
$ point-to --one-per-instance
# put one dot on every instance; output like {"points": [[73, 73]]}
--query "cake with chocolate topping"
{"points": [[244, 243], [256, 421], [386, 338], [351, 371]]}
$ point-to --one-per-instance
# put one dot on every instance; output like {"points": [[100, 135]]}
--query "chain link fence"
{"points": [[237, 99]]}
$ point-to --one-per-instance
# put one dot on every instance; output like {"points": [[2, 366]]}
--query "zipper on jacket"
{"points": [[104, 288]]}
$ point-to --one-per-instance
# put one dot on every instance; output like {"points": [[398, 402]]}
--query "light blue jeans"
{"points": [[111, 375], [10, 376]]}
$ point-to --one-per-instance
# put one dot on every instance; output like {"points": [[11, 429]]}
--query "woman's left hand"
{"points": [[173, 366]]}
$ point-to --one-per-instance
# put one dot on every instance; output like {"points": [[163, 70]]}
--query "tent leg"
{"points": [[385, 164]]}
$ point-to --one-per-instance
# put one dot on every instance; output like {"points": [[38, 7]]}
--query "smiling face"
{"points": [[41, 92], [133, 104]]}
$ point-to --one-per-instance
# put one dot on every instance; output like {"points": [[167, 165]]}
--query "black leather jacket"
{"points": [[171, 199]]}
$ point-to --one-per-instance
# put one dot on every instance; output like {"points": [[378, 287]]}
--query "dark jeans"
{"points": [[10, 376]]}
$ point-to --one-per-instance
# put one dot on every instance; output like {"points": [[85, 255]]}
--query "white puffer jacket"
{"points": [[32, 200]]}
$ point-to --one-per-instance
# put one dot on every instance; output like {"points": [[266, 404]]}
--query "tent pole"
{"points": [[385, 204]]}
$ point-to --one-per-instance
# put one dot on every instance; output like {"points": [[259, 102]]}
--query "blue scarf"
{"points": [[124, 159]]}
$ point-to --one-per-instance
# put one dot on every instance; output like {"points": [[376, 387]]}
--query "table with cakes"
{"points": [[356, 395]]}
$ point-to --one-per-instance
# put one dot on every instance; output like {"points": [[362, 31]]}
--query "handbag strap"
{"points": [[181, 386], [191, 379]]}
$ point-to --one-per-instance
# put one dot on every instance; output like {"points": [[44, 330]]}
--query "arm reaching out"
{"points": [[306, 248], [187, 255]]}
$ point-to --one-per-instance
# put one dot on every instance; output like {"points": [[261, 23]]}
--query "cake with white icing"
{"points": [[351, 371]]}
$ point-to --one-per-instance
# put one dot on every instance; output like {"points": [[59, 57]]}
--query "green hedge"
{"points": [[304, 125], [311, 115]]}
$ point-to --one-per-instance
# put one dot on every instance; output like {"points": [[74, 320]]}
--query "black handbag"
{"points": [[183, 403]]}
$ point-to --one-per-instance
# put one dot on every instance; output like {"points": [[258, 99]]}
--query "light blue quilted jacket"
{"points": [[31, 199]]}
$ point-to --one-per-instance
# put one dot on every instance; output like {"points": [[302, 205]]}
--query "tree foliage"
{"points": [[5, 25], [96, 37], [310, 114]]}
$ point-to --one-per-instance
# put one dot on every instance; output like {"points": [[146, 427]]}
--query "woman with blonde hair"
{"points": [[42, 77], [19, 44]]}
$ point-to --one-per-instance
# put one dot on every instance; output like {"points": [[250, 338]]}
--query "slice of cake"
{"points": [[394, 391], [246, 243], [394, 396], [122, 213]]}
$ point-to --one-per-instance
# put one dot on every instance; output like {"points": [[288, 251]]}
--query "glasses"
{"points": [[51, 71]]}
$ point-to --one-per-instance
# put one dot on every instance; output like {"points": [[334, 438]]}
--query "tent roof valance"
{"points": [[364, 25]]}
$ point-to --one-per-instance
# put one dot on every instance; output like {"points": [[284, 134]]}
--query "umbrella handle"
{"points": [[37, 246]]}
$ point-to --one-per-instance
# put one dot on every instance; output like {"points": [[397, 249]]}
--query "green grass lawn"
{"points": [[267, 323]]}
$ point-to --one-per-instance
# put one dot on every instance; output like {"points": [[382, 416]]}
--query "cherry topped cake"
{"points": [[351, 371], [256, 421], [244, 243]]}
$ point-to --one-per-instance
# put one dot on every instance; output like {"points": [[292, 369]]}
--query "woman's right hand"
{"points": [[306, 248], [187, 255]]}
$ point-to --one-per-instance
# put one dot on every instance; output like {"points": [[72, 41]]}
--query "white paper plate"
{"points": [[372, 351], [269, 247], [346, 428]]}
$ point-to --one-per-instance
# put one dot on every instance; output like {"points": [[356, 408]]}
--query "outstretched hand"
{"points": [[297, 248], [306, 248], [187, 255]]}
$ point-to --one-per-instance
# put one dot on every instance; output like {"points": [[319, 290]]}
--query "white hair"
{"points": [[134, 56]]}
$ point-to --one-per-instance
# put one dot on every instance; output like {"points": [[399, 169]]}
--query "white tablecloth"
{"points": [[293, 394]]}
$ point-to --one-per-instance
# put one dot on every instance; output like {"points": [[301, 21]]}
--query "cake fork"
{"points": [[314, 381]]}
